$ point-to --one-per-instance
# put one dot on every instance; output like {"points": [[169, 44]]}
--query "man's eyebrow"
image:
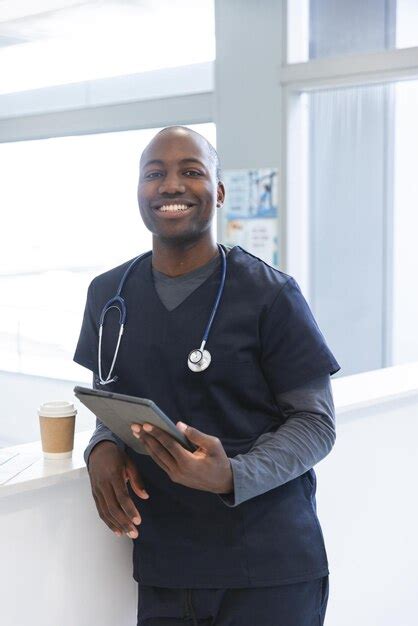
{"points": [[152, 161], [194, 160], [187, 160]]}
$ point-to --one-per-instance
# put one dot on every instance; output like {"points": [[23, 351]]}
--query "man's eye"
{"points": [[192, 173], [152, 175]]}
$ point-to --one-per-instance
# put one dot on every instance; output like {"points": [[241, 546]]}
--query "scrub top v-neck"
{"points": [[172, 291]]}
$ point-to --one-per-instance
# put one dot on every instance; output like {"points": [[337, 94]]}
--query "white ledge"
{"points": [[153, 85], [375, 387], [34, 472], [27, 470]]}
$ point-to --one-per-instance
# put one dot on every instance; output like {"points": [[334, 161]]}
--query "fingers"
{"points": [[162, 448], [116, 508], [122, 495], [104, 515], [173, 447], [159, 454], [135, 481], [154, 448], [201, 440], [197, 437], [108, 512], [110, 469]]}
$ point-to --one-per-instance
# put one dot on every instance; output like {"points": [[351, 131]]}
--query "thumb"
{"points": [[132, 474], [194, 435]]}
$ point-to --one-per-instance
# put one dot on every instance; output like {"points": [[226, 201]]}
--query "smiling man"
{"points": [[227, 534]]}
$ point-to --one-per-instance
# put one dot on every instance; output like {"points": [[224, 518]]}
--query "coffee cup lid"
{"points": [[59, 408]]}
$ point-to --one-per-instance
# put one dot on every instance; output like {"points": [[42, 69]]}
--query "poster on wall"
{"points": [[250, 215]]}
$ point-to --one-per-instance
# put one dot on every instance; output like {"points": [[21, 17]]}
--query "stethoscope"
{"points": [[198, 359]]}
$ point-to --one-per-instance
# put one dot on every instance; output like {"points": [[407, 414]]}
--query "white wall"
{"points": [[64, 566], [368, 508]]}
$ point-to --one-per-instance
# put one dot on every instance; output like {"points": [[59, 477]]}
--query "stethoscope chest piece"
{"points": [[199, 360]]}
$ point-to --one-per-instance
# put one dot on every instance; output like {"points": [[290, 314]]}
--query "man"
{"points": [[227, 534]]}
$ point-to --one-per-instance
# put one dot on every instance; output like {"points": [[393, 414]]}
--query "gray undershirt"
{"points": [[172, 290], [305, 438]]}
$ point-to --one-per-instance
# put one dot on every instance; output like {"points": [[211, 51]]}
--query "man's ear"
{"points": [[220, 196]]}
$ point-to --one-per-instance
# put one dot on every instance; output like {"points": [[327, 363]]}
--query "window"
{"points": [[324, 28], [99, 40], [352, 133], [361, 220], [71, 214]]}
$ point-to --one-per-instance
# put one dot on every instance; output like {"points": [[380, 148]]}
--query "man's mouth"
{"points": [[173, 208]]}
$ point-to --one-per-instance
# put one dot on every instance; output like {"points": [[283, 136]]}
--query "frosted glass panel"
{"points": [[363, 194], [347, 207]]}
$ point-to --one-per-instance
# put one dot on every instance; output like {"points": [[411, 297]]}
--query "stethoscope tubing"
{"points": [[218, 295], [118, 302]]}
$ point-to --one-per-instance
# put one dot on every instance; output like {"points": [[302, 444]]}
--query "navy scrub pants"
{"points": [[298, 604]]}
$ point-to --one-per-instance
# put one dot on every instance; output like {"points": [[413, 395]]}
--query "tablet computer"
{"points": [[118, 411]]}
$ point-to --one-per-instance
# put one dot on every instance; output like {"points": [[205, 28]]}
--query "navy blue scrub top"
{"points": [[264, 341]]}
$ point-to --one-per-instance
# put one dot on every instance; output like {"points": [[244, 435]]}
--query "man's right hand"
{"points": [[110, 469]]}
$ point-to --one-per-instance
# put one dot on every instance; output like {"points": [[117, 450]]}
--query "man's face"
{"points": [[177, 191]]}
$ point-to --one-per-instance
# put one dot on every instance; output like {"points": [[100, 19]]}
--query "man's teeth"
{"points": [[173, 207]]}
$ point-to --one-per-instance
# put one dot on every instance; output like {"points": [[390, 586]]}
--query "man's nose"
{"points": [[172, 184]]}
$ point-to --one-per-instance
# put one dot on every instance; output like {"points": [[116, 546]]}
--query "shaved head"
{"points": [[180, 131]]}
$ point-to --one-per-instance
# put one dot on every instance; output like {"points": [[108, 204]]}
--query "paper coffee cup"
{"points": [[57, 422]]}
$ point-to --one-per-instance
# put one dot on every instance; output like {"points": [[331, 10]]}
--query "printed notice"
{"points": [[250, 215]]}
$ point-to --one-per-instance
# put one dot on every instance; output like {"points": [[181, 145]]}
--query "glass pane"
{"points": [[71, 214], [363, 193], [99, 40], [325, 28]]}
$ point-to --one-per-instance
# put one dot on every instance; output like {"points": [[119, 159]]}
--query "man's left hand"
{"points": [[207, 468]]}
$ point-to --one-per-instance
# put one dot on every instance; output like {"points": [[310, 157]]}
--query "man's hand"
{"points": [[109, 470], [207, 468]]}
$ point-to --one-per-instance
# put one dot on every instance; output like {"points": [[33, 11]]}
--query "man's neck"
{"points": [[175, 260]]}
